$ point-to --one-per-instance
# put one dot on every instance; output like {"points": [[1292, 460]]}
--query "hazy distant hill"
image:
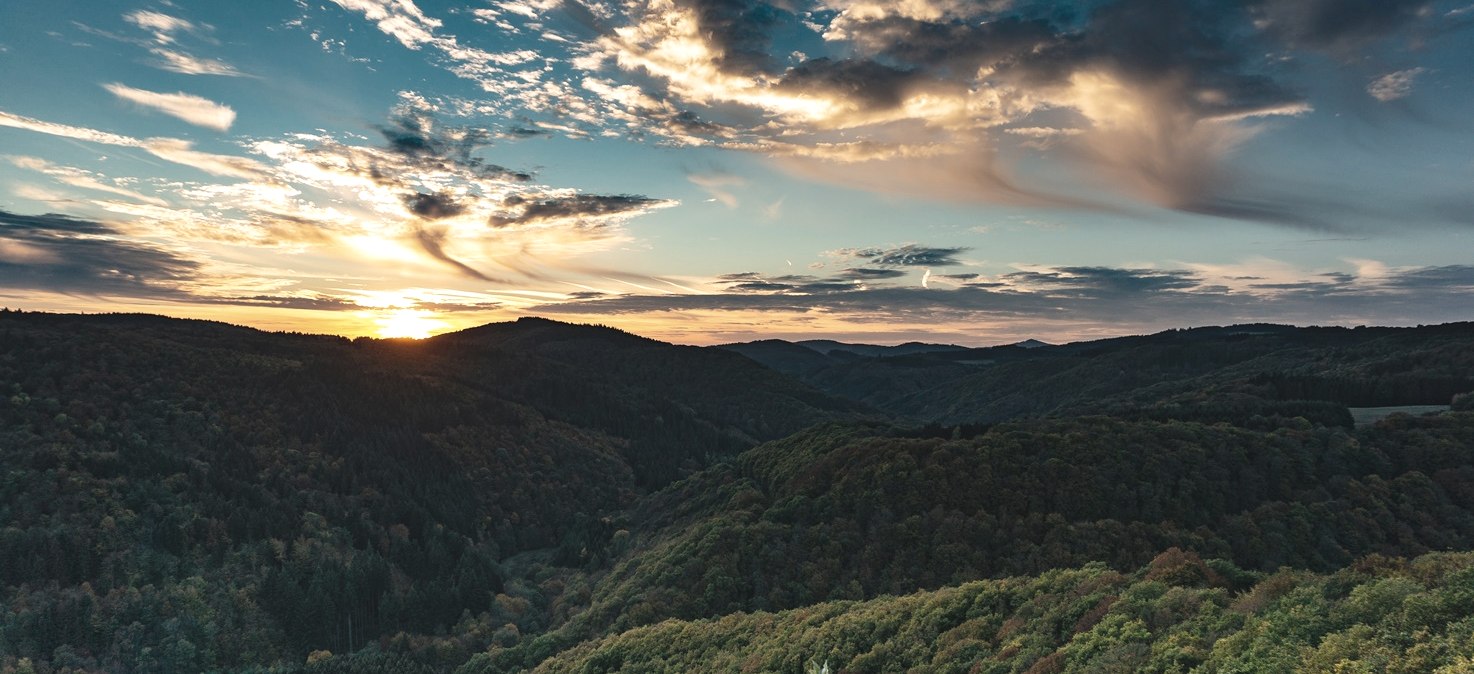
{"points": [[830, 347], [1175, 372]]}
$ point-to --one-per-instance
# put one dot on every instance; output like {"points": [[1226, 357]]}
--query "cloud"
{"points": [[1103, 281], [871, 274], [909, 255], [739, 31], [719, 185], [425, 195], [586, 210], [64, 254], [61, 254], [1166, 91], [1434, 278], [188, 107], [485, 217], [169, 149], [166, 30], [65, 131], [186, 64], [433, 206], [1075, 301], [163, 26], [1150, 99], [1337, 25], [1394, 85], [513, 79], [84, 179], [433, 242], [399, 19], [417, 136]]}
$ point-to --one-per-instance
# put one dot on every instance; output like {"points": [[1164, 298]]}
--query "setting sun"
{"points": [[409, 323]]}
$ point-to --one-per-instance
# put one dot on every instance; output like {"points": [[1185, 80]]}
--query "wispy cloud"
{"points": [[84, 179], [165, 32], [1394, 85], [196, 110], [163, 26], [719, 184], [169, 149], [186, 64]]}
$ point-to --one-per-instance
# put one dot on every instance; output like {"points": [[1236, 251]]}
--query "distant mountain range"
{"points": [[1174, 372]]}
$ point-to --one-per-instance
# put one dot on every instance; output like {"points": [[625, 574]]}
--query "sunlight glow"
{"points": [[410, 323]]}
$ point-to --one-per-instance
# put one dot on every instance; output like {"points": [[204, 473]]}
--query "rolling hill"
{"points": [[187, 496]]}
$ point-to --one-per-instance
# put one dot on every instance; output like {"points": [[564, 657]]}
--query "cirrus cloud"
{"points": [[196, 110]]}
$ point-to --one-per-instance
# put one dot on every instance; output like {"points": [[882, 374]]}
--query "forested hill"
{"points": [[678, 406], [312, 492], [186, 496], [1195, 373]]}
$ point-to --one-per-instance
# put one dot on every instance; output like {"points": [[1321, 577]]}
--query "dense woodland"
{"points": [[185, 496]]}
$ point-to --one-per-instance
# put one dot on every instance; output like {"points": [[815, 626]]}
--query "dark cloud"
{"points": [[416, 136], [421, 142], [1205, 43], [761, 286], [909, 255], [575, 207], [803, 284], [1338, 25], [827, 286], [1450, 276], [740, 30], [433, 243], [433, 206], [869, 83], [1298, 213], [1105, 280], [954, 47], [64, 254], [312, 303], [871, 274], [1201, 46]]}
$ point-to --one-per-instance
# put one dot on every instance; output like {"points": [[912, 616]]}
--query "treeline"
{"points": [[1177, 614]]}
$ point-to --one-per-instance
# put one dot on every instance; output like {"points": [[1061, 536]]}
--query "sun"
{"points": [[408, 323]]}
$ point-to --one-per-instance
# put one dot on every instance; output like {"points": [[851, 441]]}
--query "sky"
{"points": [[705, 171]]}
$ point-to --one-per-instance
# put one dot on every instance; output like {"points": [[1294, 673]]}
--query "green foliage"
{"points": [[852, 512], [181, 496], [1398, 617]]}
